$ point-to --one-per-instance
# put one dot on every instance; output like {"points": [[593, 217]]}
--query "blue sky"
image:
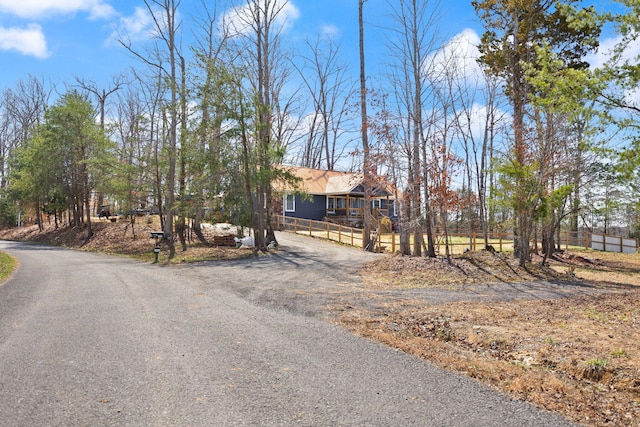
{"points": [[58, 40]]}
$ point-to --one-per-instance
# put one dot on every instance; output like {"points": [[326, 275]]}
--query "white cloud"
{"points": [[237, 21], [632, 96], [137, 27], [28, 41], [630, 55], [42, 8], [458, 56], [606, 48], [603, 54], [329, 31], [476, 120]]}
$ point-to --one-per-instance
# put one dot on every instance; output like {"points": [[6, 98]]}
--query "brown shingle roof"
{"points": [[343, 184], [319, 181]]}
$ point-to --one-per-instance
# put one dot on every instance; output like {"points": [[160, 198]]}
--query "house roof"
{"points": [[319, 181], [343, 184]]}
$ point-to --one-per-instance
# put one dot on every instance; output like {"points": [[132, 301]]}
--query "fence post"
{"points": [[340, 233], [393, 243], [328, 231], [295, 225], [500, 240]]}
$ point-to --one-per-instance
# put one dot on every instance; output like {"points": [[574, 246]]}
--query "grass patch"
{"points": [[620, 352], [7, 266]]}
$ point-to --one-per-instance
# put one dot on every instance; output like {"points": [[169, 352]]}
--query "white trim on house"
{"points": [[289, 202], [330, 209]]}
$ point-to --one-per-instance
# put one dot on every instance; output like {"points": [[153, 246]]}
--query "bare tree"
{"points": [[21, 108], [135, 133], [211, 82], [258, 26], [440, 161], [413, 41], [325, 80], [101, 94], [367, 169], [476, 130], [164, 14]]}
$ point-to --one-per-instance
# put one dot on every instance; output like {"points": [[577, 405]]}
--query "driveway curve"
{"points": [[89, 339]]}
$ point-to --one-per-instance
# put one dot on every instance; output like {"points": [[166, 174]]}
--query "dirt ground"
{"points": [[124, 237], [564, 337]]}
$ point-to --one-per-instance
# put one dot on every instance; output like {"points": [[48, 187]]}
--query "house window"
{"points": [[334, 203], [356, 207], [289, 203], [357, 203]]}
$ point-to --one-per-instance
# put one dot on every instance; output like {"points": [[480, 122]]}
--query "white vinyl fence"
{"points": [[601, 242]]}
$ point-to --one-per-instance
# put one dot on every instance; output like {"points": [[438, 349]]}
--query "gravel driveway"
{"points": [[312, 277], [304, 276], [89, 339]]}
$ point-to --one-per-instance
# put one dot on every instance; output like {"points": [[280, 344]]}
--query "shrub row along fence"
{"points": [[458, 243]]}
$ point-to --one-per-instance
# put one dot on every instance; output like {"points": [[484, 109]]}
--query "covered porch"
{"points": [[350, 209]]}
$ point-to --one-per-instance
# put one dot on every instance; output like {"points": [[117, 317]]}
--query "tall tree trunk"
{"points": [[367, 167], [170, 9], [522, 214], [182, 220], [87, 200]]}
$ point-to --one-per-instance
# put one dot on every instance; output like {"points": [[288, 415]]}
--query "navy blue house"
{"points": [[334, 196]]}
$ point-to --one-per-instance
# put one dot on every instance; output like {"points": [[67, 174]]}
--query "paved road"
{"points": [[94, 340]]}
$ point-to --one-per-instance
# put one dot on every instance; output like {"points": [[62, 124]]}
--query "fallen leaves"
{"points": [[578, 356]]}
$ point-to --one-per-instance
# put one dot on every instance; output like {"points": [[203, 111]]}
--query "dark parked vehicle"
{"points": [[104, 211]]}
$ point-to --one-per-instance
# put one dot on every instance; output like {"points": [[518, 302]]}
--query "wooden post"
{"points": [[473, 240], [328, 232], [500, 240], [393, 243], [339, 233], [295, 225]]}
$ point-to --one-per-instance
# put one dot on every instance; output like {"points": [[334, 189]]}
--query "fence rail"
{"points": [[326, 230], [603, 242], [458, 243]]}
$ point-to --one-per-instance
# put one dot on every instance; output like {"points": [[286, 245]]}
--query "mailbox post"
{"points": [[157, 235]]}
